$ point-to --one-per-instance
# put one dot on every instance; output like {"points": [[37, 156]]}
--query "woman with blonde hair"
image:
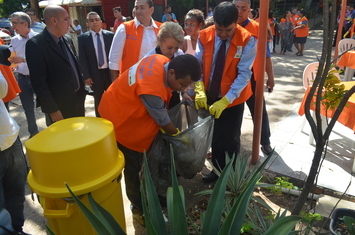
{"points": [[169, 40]]}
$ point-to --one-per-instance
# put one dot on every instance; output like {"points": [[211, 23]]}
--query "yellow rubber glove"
{"points": [[200, 98], [178, 131], [217, 107]]}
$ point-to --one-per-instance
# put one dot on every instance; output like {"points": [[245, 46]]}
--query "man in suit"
{"points": [[94, 47], [54, 68]]}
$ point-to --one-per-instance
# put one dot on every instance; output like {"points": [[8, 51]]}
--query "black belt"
{"points": [[26, 76]]}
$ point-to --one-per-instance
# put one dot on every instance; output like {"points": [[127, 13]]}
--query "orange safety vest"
{"points": [[253, 28], [295, 19], [132, 47], [121, 104], [272, 26], [302, 32], [230, 73], [13, 88]]}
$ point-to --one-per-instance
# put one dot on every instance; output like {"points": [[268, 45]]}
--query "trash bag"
{"points": [[287, 35], [190, 146]]}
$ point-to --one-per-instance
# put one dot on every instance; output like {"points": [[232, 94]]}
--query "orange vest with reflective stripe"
{"points": [[302, 32], [132, 47], [253, 28], [121, 104], [230, 72]]}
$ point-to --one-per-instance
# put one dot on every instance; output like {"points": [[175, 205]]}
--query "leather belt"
{"points": [[26, 76]]}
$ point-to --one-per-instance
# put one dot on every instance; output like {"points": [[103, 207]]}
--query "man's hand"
{"points": [[16, 60], [200, 98], [56, 116], [217, 107], [270, 83], [114, 74], [88, 82]]}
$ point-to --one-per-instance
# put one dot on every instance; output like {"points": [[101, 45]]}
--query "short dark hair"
{"points": [[225, 14], [303, 12], [197, 14], [117, 8], [29, 10], [150, 3], [167, 7], [186, 65]]}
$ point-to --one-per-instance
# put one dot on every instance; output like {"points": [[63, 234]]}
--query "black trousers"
{"points": [[133, 166], [226, 135], [101, 87], [265, 126]]}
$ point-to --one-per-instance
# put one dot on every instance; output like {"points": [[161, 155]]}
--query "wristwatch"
{"points": [[24, 59]]}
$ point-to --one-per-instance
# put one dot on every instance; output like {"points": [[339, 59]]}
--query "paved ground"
{"points": [[282, 106]]}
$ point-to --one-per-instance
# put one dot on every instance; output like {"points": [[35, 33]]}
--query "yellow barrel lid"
{"points": [[81, 152]]}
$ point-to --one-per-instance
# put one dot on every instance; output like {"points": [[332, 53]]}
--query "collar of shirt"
{"points": [[56, 40], [94, 34], [29, 35], [245, 23], [218, 42], [139, 23], [166, 72]]}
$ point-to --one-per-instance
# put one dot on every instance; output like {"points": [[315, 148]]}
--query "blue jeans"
{"points": [[28, 103], [13, 178]]}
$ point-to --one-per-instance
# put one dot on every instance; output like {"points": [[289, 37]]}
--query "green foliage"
{"points": [[10, 6], [105, 224], [101, 220], [311, 216], [247, 227], [350, 224], [280, 182], [239, 177], [333, 90]]}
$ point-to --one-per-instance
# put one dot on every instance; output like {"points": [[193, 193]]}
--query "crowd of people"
{"points": [[137, 71]]}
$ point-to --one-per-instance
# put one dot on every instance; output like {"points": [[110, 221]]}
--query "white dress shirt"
{"points": [[119, 40], [18, 45], [94, 39]]}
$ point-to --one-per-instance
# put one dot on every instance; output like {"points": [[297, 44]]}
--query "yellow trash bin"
{"points": [[83, 153]]}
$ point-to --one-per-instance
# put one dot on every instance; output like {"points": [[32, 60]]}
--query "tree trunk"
{"points": [[35, 6]]}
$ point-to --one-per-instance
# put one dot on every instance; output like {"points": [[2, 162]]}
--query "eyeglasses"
{"points": [[244, 9], [189, 25]]}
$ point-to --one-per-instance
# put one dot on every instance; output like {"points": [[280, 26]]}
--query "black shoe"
{"points": [[266, 149], [211, 177], [138, 215]]}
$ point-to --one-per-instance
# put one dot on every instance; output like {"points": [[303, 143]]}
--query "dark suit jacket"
{"points": [[52, 76], [87, 54]]}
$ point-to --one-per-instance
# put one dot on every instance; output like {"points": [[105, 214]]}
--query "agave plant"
{"points": [[105, 224], [239, 177]]}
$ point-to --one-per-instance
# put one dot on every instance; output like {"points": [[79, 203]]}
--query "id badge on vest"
{"points": [[239, 52]]}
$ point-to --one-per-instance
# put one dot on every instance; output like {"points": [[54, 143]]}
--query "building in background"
{"points": [[78, 9]]}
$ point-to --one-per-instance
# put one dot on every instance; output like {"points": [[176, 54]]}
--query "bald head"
{"points": [[51, 11], [56, 19]]}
